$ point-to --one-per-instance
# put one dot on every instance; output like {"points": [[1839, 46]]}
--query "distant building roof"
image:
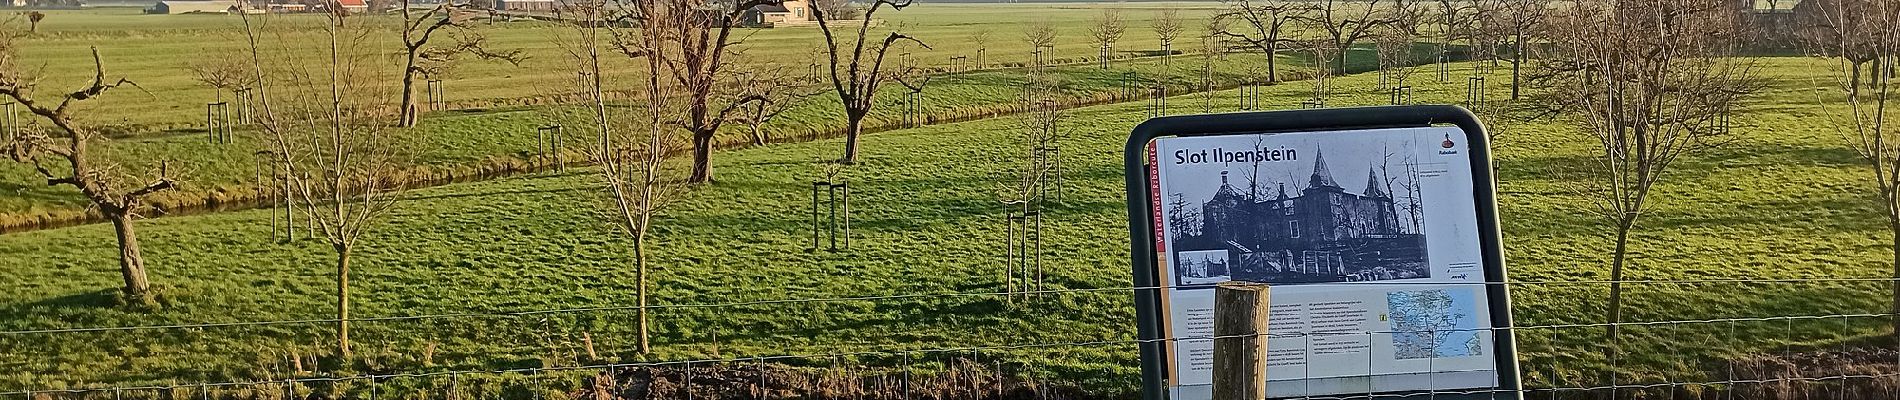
{"points": [[770, 8], [352, 3], [192, 6]]}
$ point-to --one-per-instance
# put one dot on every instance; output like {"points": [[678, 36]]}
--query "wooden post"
{"points": [[1240, 344]]}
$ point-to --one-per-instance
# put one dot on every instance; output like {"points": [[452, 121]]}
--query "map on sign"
{"points": [[1435, 323], [1370, 239]]}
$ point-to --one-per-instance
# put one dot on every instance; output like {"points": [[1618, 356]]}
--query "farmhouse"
{"points": [[191, 6], [354, 6], [526, 5], [791, 12]]}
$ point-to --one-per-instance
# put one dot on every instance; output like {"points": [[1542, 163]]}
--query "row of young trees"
{"points": [[1328, 29], [340, 151]]}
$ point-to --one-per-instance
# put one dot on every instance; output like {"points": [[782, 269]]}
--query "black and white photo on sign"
{"points": [[1343, 211], [1203, 267]]}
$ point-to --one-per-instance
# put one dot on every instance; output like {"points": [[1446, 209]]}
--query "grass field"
{"points": [[155, 50], [474, 141], [1787, 200]]}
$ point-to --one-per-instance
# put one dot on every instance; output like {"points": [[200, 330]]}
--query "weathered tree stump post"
{"points": [[1158, 101], [262, 161], [438, 101], [1444, 69], [217, 123], [1722, 118], [1240, 341], [912, 113], [845, 185], [1249, 94], [815, 185], [833, 221], [1012, 235], [1167, 52], [549, 141], [1036, 213], [1474, 92], [1130, 86], [9, 123], [242, 98], [832, 193], [290, 211]]}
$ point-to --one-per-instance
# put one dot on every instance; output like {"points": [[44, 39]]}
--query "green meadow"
{"points": [[500, 139], [520, 272]]}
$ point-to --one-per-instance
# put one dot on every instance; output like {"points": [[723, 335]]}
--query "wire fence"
{"points": [[1808, 349]]}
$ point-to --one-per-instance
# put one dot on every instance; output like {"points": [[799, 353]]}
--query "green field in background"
{"points": [[1786, 200]]}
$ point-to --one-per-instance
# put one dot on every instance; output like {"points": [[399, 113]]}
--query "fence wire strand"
{"points": [[1308, 336]]}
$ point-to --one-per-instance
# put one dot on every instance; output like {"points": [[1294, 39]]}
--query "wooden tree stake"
{"points": [[1240, 344]]}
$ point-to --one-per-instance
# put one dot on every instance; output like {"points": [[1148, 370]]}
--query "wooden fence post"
{"points": [[1240, 342]]}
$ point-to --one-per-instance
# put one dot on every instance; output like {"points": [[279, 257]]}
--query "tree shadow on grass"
{"points": [[102, 298]]}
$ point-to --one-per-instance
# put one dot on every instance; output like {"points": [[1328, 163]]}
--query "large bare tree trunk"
{"points": [[1517, 66], [408, 112], [1273, 51], [343, 300], [702, 158], [852, 127], [1341, 63], [131, 264]]}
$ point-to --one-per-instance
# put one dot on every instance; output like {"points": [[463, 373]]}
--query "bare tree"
{"points": [[1264, 25], [1454, 19], [1650, 80], [840, 10], [109, 188], [1108, 28], [422, 59], [857, 69], [1821, 30], [632, 149], [1321, 47], [1039, 35], [980, 40], [33, 18], [1167, 26], [1854, 32], [1487, 30], [323, 118], [1394, 40], [704, 50], [1344, 23], [1212, 46], [776, 92], [221, 72], [1522, 20]]}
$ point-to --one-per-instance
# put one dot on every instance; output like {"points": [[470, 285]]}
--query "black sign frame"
{"points": [[1147, 279]]}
